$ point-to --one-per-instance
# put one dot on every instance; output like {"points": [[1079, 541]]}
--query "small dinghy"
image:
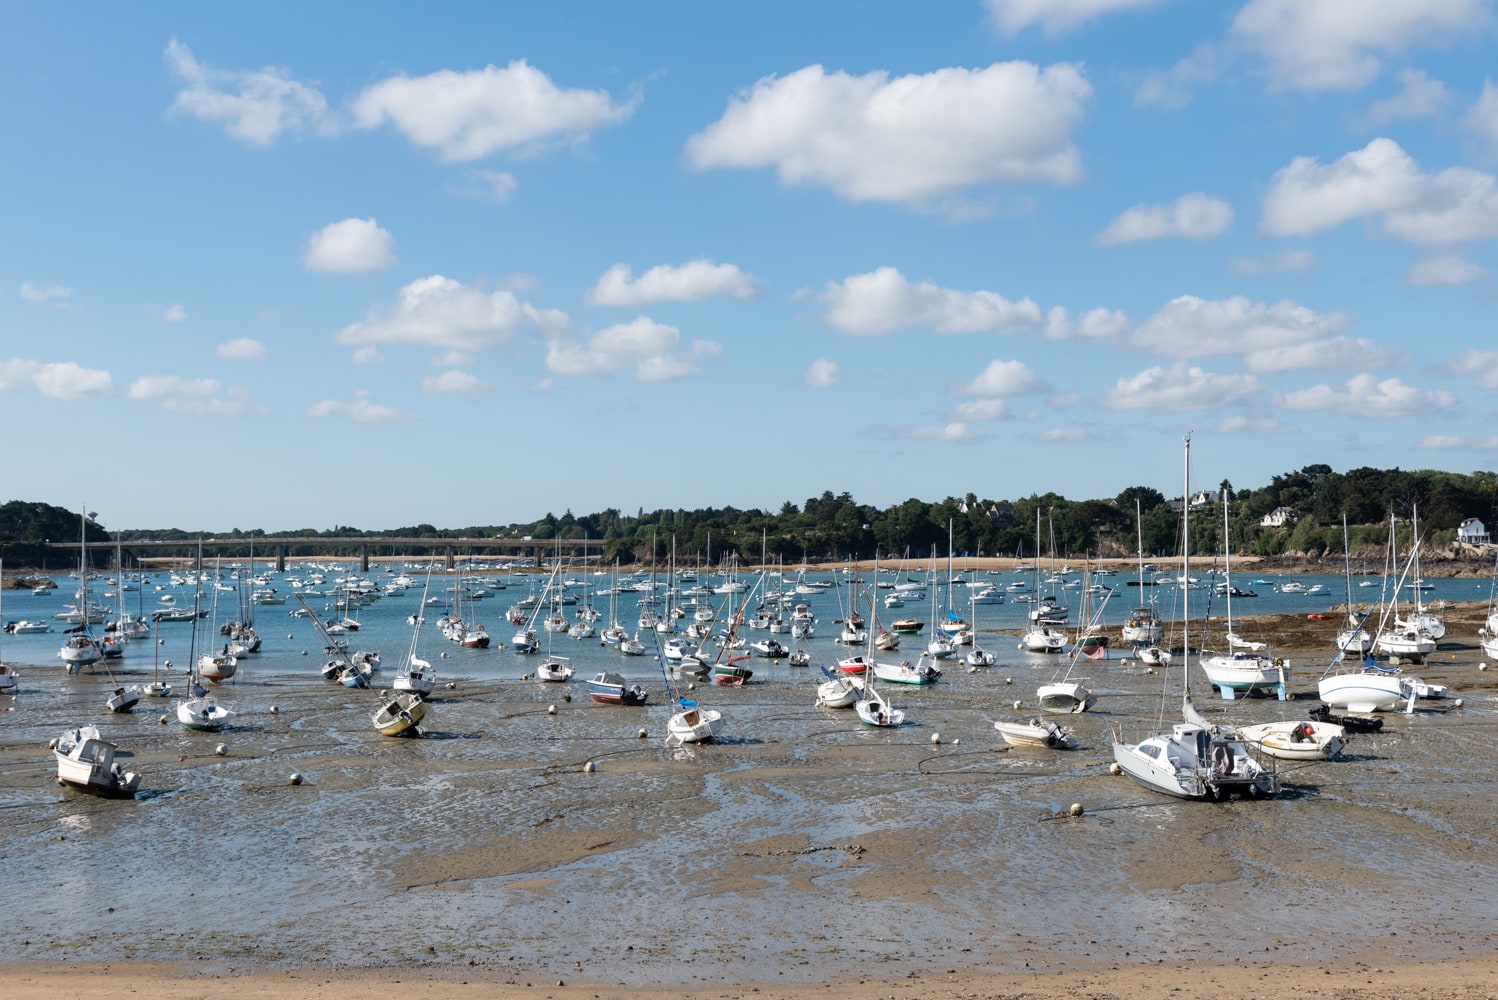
{"points": [[1293, 740], [86, 762]]}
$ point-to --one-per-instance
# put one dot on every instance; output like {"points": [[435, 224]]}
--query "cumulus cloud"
{"points": [[1446, 270], [255, 106], [1477, 364], [1054, 17], [196, 396], [174, 314], [1343, 353], [647, 345], [1481, 118], [440, 312], [1172, 89], [1336, 45], [1419, 97], [954, 431], [904, 140], [1190, 327], [64, 380], [1364, 396], [821, 372], [492, 185], [1274, 263], [1194, 216], [49, 293], [1095, 324], [695, 280], [352, 246], [361, 409], [242, 349], [990, 408], [883, 301], [469, 115], [1180, 387], [1258, 426], [1000, 378], [1382, 181], [454, 382], [369, 355], [1449, 442]]}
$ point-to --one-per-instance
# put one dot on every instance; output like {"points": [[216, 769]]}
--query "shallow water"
{"points": [[802, 847]]}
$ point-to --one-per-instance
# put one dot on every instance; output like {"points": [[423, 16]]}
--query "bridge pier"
{"points": [[364, 559], [447, 558]]}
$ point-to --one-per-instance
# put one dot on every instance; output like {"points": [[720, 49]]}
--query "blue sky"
{"points": [[300, 265]]}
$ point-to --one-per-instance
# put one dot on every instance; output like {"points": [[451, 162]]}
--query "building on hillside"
{"points": [[1280, 517], [1472, 532]]}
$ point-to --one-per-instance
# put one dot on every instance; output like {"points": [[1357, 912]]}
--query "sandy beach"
{"points": [[800, 856]]}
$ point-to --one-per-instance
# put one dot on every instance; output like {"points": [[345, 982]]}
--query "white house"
{"points": [[1472, 532], [1279, 518]]}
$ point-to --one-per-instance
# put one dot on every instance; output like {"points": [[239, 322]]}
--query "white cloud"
{"points": [[1275, 263], [1095, 324], [1257, 426], [904, 140], [1000, 378], [641, 342], [1343, 353], [882, 301], [1180, 387], [199, 396], [1336, 44], [439, 312], [1053, 16], [255, 105], [367, 356], [1481, 366], [1365, 396], [494, 185], [65, 380], [352, 246], [454, 382], [954, 431], [242, 349], [1381, 180], [1481, 118], [1194, 216], [1172, 88], [1419, 97], [469, 115], [361, 409], [50, 293], [991, 408], [1066, 435], [821, 372], [695, 280], [1446, 270], [174, 314], [1190, 327]]}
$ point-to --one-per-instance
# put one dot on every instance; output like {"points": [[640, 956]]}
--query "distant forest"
{"points": [[835, 526]]}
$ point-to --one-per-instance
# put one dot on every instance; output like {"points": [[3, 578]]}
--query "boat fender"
{"points": [[1279, 661]]}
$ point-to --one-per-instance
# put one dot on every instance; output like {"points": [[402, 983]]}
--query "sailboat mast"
{"points": [[1186, 572]]}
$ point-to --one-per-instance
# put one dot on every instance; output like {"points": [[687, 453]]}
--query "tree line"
{"points": [[833, 527]]}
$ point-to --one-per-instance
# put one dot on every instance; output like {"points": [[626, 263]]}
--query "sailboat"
{"points": [[9, 679], [1354, 637], [1063, 694], [215, 667], [1042, 636], [200, 710], [1143, 626], [1244, 670], [1194, 759], [157, 688], [977, 656], [80, 649], [416, 675], [873, 708], [689, 722]]}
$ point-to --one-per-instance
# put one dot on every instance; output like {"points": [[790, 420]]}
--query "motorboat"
{"points": [[608, 688], [1297, 740], [1065, 697], [1036, 733], [554, 671], [28, 627], [399, 713], [923, 671], [86, 762]]}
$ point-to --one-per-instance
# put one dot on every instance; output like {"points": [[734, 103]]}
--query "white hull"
{"points": [[1244, 674], [1065, 697], [1036, 734], [1366, 691], [694, 725], [1297, 740], [1191, 763]]}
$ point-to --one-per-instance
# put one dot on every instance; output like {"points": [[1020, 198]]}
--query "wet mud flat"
{"points": [[800, 849]]}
